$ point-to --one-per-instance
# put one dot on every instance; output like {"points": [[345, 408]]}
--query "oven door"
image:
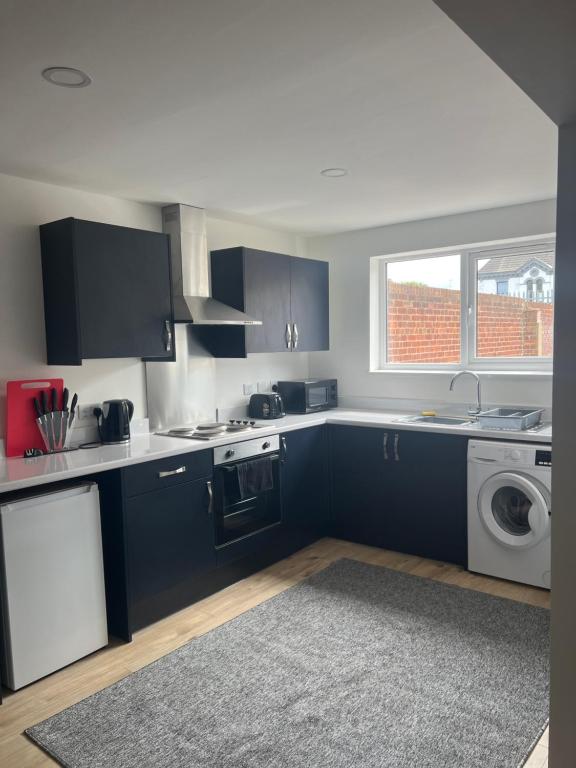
{"points": [[236, 515]]}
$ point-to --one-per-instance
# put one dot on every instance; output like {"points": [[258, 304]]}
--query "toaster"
{"points": [[267, 405]]}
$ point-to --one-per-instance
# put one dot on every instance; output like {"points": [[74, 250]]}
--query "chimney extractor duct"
{"points": [[186, 226]]}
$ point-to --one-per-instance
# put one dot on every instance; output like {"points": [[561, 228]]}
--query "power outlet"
{"points": [[86, 412], [249, 389]]}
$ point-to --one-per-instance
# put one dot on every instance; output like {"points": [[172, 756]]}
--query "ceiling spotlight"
{"points": [[67, 77], [334, 173]]}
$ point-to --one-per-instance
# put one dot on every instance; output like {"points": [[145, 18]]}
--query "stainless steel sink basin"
{"points": [[447, 420]]}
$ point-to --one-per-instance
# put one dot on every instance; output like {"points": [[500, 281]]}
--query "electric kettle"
{"points": [[114, 421]]}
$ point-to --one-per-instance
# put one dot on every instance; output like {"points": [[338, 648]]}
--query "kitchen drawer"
{"points": [[153, 475], [253, 544]]}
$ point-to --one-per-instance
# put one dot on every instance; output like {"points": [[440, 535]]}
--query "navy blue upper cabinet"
{"points": [[309, 305], [107, 292], [289, 295]]}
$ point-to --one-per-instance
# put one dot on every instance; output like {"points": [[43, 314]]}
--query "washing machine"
{"points": [[509, 510]]}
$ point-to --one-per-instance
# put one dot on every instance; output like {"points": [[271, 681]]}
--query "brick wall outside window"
{"points": [[424, 325]]}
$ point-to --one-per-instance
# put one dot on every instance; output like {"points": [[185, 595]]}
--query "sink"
{"points": [[447, 420]]}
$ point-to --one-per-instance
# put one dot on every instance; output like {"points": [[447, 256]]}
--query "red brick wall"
{"points": [[424, 325]]}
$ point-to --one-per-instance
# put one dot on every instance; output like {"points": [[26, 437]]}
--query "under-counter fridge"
{"points": [[51, 582]]}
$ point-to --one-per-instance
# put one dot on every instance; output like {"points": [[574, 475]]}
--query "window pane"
{"points": [[517, 322], [423, 310]]}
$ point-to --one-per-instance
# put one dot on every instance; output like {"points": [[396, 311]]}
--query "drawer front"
{"points": [[153, 475]]}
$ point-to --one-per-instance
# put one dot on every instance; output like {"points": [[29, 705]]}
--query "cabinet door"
{"points": [[267, 298], [305, 473], [428, 516], [309, 304], [170, 542], [124, 290], [360, 483]]}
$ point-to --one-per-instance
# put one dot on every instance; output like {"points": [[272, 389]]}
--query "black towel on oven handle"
{"points": [[255, 476]]}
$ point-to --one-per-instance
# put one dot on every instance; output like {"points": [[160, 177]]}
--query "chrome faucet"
{"points": [[471, 411]]}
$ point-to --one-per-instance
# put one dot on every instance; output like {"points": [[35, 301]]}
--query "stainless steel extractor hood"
{"points": [[186, 226]]}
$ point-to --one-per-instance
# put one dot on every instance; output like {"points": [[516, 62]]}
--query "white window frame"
{"points": [[469, 256]]}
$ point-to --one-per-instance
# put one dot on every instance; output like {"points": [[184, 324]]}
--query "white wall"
{"points": [[349, 255], [24, 205]]}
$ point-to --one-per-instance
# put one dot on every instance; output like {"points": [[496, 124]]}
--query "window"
{"points": [[469, 308]]}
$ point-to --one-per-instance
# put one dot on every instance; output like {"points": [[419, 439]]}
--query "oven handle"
{"points": [[231, 465]]}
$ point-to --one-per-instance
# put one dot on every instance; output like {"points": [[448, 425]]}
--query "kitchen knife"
{"points": [[42, 421], [49, 426], [55, 418], [38, 408], [69, 418], [64, 416]]}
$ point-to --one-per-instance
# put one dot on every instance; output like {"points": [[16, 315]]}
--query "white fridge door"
{"points": [[53, 597]]}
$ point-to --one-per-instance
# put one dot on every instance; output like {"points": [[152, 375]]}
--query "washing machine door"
{"points": [[515, 509]]}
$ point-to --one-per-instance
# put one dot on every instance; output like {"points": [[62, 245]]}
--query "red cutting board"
{"points": [[21, 429]]}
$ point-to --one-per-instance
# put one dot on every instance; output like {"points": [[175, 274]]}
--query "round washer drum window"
{"points": [[511, 507]]}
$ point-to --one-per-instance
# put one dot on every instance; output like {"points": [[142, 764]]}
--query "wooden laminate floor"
{"points": [[58, 691]]}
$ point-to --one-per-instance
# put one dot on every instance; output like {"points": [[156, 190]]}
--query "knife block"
{"points": [[56, 430]]}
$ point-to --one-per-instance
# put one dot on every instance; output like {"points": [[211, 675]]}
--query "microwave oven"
{"points": [[308, 395]]}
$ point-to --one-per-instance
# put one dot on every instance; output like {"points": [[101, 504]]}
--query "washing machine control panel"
{"points": [[523, 457], [543, 459], [512, 454]]}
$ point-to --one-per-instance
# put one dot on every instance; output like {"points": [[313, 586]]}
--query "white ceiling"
{"points": [[236, 105]]}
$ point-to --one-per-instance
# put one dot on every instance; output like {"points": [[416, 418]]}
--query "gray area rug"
{"points": [[359, 666]]}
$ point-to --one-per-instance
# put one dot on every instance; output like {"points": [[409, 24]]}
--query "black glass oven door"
{"points": [[237, 517]]}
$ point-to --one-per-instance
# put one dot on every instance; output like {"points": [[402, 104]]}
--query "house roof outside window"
{"points": [[517, 264]]}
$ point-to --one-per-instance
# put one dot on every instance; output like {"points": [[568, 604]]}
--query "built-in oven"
{"points": [[246, 489]]}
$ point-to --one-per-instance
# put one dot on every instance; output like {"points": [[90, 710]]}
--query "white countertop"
{"points": [[18, 473]]}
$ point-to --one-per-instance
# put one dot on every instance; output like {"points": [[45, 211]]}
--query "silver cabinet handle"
{"points": [[170, 472], [385, 446], [295, 336], [284, 450], [288, 336], [396, 451], [210, 496], [168, 329]]}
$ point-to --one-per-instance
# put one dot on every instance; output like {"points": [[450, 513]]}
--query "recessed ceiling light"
{"points": [[67, 77], [334, 173]]}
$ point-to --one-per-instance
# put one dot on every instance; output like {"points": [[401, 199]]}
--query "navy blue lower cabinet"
{"points": [[170, 535], [304, 458], [361, 482], [158, 538], [402, 490], [429, 513]]}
